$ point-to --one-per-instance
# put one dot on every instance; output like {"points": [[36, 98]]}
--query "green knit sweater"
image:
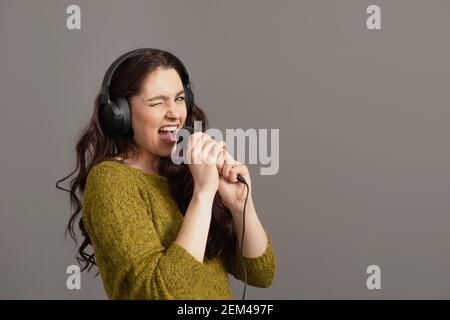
{"points": [[132, 221]]}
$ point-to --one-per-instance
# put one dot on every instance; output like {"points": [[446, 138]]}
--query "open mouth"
{"points": [[168, 134]]}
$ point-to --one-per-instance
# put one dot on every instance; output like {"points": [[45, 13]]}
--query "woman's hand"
{"points": [[231, 191], [201, 156]]}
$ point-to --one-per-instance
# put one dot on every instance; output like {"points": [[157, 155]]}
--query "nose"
{"points": [[173, 110]]}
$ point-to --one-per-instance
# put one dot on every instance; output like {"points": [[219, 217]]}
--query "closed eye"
{"points": [[152, 105]]}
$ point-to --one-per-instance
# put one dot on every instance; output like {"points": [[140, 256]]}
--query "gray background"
{"points": [[363, 116]]}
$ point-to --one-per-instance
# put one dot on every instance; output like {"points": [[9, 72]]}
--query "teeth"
{"points": [[168, 128]]}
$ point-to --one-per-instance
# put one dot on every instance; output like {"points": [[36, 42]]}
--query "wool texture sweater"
{"points": [[133, 221]]}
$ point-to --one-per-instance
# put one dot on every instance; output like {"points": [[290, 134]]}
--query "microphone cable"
{"points": [[242, 180]]}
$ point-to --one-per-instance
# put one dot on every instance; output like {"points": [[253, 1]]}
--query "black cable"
{"points": [[241, 179]]}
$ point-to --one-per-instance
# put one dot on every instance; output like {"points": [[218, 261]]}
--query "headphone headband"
{"points": [[109, 73], [104, 97]]}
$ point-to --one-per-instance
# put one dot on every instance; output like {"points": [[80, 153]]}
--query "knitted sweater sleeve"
{"points": [[260, 270], [132, 261]]}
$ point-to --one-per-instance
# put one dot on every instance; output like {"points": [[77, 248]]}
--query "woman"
{"points": [[160, 230]]}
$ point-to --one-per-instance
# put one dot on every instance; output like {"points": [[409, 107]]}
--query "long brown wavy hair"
{"points": [[96, 145]]}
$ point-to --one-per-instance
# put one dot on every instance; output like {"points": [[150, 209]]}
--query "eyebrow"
{"points": [[165, 97]]}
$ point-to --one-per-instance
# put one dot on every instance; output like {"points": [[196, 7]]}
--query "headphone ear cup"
{"points": [[125, 115], [115, 116], [108, 117]]}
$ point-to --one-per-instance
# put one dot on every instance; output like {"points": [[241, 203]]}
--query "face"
{"points": [[157, 111]]}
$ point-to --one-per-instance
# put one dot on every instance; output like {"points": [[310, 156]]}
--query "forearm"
{"points": [[193, 233], [255, 238]]}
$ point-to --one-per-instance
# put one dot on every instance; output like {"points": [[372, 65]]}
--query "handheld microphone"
{"points": [[242, 180], [191, 131]]}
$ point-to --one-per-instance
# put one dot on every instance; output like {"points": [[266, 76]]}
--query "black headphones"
{"points": [[114, 115]]}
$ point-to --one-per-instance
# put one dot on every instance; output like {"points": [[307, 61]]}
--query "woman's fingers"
{"points": [[227, 165], [201, 141], [194, 142], [203, 149], [215, 153], [221, 158], [235, 170], [208, 146]]}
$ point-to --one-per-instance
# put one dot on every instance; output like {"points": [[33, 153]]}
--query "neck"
{"points": [[144, 161]]}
